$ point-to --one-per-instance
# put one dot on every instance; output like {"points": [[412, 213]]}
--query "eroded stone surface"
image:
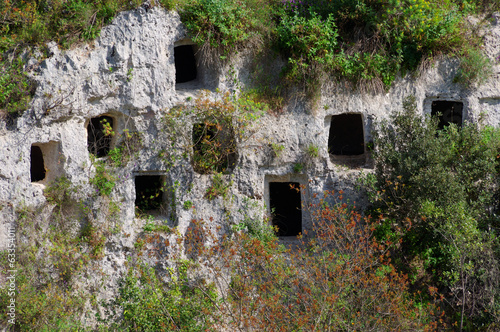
{"points": [[128, 73]]}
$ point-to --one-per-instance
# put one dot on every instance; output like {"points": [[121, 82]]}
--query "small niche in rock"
{"points": [[214, 148], [99, 135], [346, 136], [148, 192], [285, 203], [185, 64], [37, 169], [46, 162], [448, 112]]}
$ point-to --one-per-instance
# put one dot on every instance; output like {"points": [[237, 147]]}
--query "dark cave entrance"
{"points": [[285, 203], [346, 136], [185, 64], [98, 135], [214, 148], [148, 192], [448, 112], [37, 169]]}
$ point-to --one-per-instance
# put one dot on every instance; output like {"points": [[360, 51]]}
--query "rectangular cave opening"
{"points": [[346, 137], [285, 203], [214, 148], [46, 162], [37, 167], [149, 193], [100, 131], [448, 112], [185, 64]]}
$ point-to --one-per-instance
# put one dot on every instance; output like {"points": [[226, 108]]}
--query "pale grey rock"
{"points": [[128, 73]]}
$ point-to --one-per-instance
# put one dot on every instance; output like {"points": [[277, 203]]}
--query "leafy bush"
{"points": [[103, 180], [309, 43], [148, 304], [475, 67], [365, 41], [438, 190], [226, 24], [219, 187], [35, 22], [48, 282], [16, 88], [340, 279]]}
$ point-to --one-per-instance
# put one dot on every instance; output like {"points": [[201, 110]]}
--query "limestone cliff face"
{"points": [[128, 75]]}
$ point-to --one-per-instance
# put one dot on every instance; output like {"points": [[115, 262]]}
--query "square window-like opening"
{"points": [[346, 136], [448, 112], [214, 148], [46, 162], [285, 202], [37, 168], [149, 193], [100, 132], [185, 64]]}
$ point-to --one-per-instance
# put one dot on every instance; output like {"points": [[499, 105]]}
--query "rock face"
{"points": [[128, 77]]}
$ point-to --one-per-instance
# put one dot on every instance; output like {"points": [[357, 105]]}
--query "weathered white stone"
{"points": [[129, 73]]}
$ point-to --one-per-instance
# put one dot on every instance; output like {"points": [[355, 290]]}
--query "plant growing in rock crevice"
{"points": [[220, 125]]}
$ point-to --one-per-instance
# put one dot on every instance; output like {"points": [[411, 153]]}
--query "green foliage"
{"points": [[277, 149], [16, 88], [60, 191], [219, 187], [103, 180], [35, 22], [309, 43], [253, 223], [313, 151], [152, 227], [55, 251], [219, 125], [145, 303], [298, 167], [187, 205], [48, 282], [225, 24], [130, 75], [362, 41], [439, 187], [475, 67], [95, 239], [129, 146]]}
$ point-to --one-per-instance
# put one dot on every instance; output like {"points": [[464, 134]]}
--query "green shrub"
{"points": [[309, 43], [298, 167], [437, 189], [277, 149], [226, 24], [313, 151], [145, 303], [187, 205], [474, 68], [16, 88], [36, 22], [219, 187], [103, 180], [48, 282]]}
